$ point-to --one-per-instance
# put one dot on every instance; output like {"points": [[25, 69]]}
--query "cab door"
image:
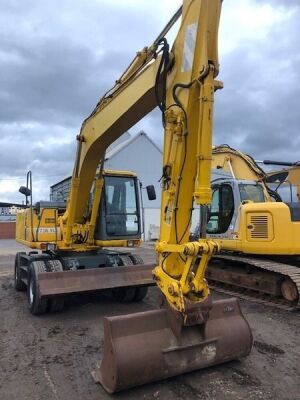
{"points": [[221, 209]]}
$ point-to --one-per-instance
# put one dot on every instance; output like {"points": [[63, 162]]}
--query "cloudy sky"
{"points": [[58, 57]]}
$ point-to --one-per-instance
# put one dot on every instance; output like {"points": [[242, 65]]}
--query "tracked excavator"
{"points": [[189, 331], [257, 231]]}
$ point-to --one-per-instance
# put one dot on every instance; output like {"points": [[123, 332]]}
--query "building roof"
{"points": [[3, 204], [63, 180], [115, 150]]}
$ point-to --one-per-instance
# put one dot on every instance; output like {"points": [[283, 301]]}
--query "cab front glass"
{"points": [[121, 206]]}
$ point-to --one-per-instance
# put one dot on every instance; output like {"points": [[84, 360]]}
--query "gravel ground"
{"points": [[50, 357]]}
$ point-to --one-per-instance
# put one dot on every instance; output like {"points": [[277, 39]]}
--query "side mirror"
{"points": [[25, 190], [151, 192]]}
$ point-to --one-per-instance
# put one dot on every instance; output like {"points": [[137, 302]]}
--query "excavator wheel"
{"points": [[141, 292], [36, 305], [127, 295], [56, 304], [124, 294], [18, 283]]}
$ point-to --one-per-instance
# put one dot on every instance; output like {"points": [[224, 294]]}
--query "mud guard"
{"points": [[148, 346]]}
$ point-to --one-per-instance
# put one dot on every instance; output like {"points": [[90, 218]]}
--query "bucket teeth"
{"points": [[146, 347]]}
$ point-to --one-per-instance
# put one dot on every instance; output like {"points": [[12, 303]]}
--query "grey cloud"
{"points": [[258, 110], [58, 58], [283, 3], [19, 156], [53, 84], [57, 65]]}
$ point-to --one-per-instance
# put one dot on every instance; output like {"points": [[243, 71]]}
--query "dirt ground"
{"points": [[50, 357]]}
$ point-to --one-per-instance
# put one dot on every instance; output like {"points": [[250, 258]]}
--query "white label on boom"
{"points": [[189, 47]]}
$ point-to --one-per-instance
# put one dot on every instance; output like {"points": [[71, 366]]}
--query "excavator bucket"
{"points": [[149, 346]]}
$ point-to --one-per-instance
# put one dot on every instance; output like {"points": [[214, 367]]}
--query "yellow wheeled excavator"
{"points": [[257, 231], [189, 331], [87, 263]]}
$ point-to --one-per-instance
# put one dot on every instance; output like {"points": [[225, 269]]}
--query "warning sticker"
{"points": [[46, 230], [189, 47]]}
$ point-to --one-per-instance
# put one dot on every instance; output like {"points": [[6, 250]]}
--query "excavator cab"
{"points": [[244, 219], [227, 196]]}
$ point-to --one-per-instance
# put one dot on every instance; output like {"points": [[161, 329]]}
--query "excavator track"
{"points": [[229, 274]]}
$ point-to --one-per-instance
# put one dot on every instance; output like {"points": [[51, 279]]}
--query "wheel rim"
{"points": [[31, 295]]}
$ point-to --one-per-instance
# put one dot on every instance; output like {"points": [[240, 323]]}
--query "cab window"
{"points": [[121, 206], [253, 192], [221, 209]]}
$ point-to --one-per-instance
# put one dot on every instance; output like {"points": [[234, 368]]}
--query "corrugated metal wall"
{"points": [[7, 230], [60, 191]]}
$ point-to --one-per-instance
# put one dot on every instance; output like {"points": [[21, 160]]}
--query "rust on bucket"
{"points": [[149, 346]]}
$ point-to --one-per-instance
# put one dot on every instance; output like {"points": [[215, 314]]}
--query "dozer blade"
{"points": [[67, 282], [149, 346]]}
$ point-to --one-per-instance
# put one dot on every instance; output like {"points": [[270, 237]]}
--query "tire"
{"points": [[140, 292], [123, 294], [36, 305], [18, 283], [56, 304], [136, 259], [54, 266]]}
